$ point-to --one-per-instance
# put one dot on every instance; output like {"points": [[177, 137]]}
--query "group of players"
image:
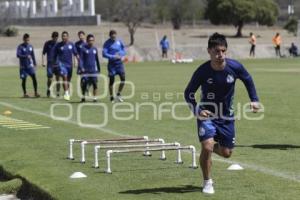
{"points": [[60, 60], [215, 78]]}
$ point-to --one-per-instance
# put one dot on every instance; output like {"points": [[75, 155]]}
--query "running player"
{"points": [[90, 67], [114, 51], [63, 53], [25, 53], [49, 50], [215, 117]]}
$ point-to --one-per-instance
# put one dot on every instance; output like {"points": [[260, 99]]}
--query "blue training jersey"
{"points": [[217, 88], [111, 48], [49, 50], [90, 60], [63, 52], [25, 53], [164, 44], [79, 45]]}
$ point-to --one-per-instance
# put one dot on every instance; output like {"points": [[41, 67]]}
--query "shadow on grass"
{"points": [[179, 190], [271, 146], [144, 170]]}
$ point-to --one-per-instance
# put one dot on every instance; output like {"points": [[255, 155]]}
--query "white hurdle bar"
{"points": [[162, 156], [145, 142], [191, 148], [74, 141]]}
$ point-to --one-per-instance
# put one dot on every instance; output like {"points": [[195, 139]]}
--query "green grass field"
{"points": [[268, 149]]}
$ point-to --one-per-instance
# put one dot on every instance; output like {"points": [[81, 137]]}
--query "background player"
{"points": [[90, 67], [114, 51], [252, 41], [79, 45], [63, 53], [49, 50], [164, 44], [215, 118], [25, 53]]}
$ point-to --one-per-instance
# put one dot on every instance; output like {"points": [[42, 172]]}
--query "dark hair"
{"points": [[89, 37], [81, 32], [65, 32], [217, 39], [26, 36], [112, 32], [55, 34]]}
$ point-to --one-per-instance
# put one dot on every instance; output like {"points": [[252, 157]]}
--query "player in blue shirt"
{"points": [[49, 50], [89, 67], [215, 117], [79, 45], [164, 44], [63, 54], [25, 53], [114, 51]]}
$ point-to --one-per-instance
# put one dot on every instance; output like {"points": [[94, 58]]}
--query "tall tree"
{"points": [[239, 12], [132, 13]]}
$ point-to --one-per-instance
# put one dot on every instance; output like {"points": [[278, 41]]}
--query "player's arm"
{"points": [[33, 57], [43, 54], [122, 51], [246, 78], [189, 94], [97, 61]]}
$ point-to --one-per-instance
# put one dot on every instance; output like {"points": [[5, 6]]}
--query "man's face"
{"points": [[113, 36], [217, 54], [81, 36], [91, 41], [65, 37], [26, 40], [55, 39]]}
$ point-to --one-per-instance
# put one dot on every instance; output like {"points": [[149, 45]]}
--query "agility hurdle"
{"points": [[191, 148], [74, 141], [133, 142], [162, 157]]}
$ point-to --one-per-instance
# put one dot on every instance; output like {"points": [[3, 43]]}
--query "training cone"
{"points": [[78, 175], [235, 167], [8, 112]]}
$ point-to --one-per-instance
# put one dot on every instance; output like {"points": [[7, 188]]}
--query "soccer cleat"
{"points": [[67, 97], [208, 187], [95, 100], [82, 100], [119, 98], [26, 96], [48, 93], [37, 95], [112, 99]]}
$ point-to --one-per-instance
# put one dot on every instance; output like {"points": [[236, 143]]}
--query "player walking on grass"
{"points": [[164, 44], [63, 53], [25, 53], [215, 117], [49, 50], [90, 67], [79, 46], [114, 51], [252, 41]]}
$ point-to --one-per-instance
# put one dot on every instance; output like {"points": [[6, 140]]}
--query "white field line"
{"points": [[67, 121], [253, 167]]}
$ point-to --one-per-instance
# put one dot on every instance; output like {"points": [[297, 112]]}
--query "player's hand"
{"points": [[118, 57], [204, 114], [254, 106], [29, 56]]}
